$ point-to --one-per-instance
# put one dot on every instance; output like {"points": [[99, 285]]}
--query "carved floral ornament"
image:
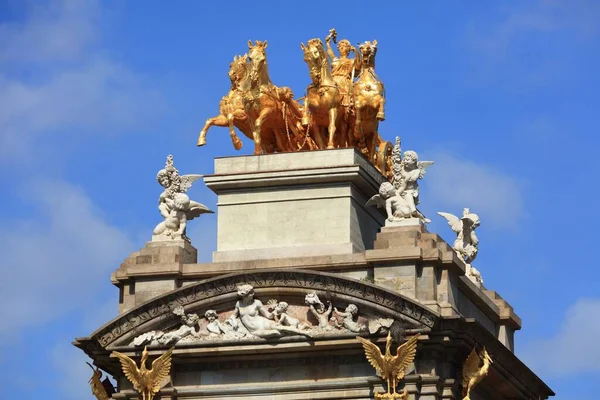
{"points": [[375, 305]]}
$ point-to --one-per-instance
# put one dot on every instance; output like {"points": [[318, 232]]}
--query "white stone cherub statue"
{"points": [[174, 205], [349, 314], [466, 243], [401, 197], [283, 318]]}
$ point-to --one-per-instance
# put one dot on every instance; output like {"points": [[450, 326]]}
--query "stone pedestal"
{"points": [[294, 205]]}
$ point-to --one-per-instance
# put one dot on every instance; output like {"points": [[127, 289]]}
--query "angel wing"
{"points": [[376, 200], [196, 209], [130, 370], [423, 165], [454, 222], [373, 354], [188, 180], [98, 389], [161, 368], [405, 355], [470, 367]]}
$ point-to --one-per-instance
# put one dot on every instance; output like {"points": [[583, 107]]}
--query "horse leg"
{"points": [[381, 109], [219, 120], [264, 113], [358, 128], [305, 111], [237, 143], [332, 120], [372, 146]]}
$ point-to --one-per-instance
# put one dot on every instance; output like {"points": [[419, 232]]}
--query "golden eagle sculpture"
{"points": [[390, 367], [475, 368], [102, 390], [147, 382]]}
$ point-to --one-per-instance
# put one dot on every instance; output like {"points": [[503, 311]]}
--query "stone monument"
{"points": [[309, 281]]}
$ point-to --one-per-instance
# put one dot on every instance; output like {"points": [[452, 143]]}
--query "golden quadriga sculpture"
{"points": [[390, 367], [145, 381], [343, 105]]}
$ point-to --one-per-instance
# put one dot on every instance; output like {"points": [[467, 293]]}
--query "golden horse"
{"points": [[231, 107], [369, 101], [273, 113], [323, 99]]}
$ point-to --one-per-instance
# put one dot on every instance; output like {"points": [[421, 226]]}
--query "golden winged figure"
{"points": [[475, 368], [146, 381], [390, 367], [98, 387]]}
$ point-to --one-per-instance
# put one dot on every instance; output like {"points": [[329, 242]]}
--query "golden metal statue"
{"points": [[475, 368], [145, 381], [274, 114], [390, 367], [323, 99], [100, 389], [343, 68], [231, 107]]}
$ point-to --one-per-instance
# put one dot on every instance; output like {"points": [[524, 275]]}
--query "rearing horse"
{"points": [[323, 97], [231, 107], [369, 100], [272, 111]]}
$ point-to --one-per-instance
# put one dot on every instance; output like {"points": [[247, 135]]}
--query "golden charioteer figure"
{"points": [[342, 107]]}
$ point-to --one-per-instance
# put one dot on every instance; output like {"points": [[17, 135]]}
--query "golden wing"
{"points": [[161, 368], [98, 389], [405, 355], [129, 368], [471, 366], [373, 354]]}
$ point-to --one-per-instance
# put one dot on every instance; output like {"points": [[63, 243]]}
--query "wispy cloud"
{"points": [[454, 183], [574, 349]]}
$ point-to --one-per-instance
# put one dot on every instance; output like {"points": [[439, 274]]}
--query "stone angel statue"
{"points": [[145, 381], [475, 368], [390, 367], [102, 390], [466, 243], [174, 204]]}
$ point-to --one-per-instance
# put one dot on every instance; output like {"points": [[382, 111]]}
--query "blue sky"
{"points": [[502, 95]]}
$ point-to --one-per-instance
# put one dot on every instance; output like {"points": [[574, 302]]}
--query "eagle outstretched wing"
{"points": [[455, 223], [130, 370], [373, 354], [98, 389], [161, 368], [376, 200], [470, 367], [188, 180], [405, 355]]}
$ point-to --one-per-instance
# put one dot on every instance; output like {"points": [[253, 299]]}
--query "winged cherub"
{"points": [[475, 368], [390, 367], [466, 243], [174, 205], [145, 381]]}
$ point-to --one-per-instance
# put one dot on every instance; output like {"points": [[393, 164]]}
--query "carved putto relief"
{"points": [[251, 319]]}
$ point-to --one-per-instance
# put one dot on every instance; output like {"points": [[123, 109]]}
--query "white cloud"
{"points": [[59, 261], [453, 184], [574, 349]]}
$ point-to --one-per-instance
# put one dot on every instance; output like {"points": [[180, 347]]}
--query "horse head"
{"points": [[258, 58], [315, 57], [238, 69], [368, 50]]}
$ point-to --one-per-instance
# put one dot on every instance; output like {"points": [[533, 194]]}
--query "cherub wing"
{"points": [[471, 366], [161, 368], [196, 209], [130, 370], [188, 180], [405, 355], [423, 165], [96, 385], [373, 354], [376, 200], [454, 222]]}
